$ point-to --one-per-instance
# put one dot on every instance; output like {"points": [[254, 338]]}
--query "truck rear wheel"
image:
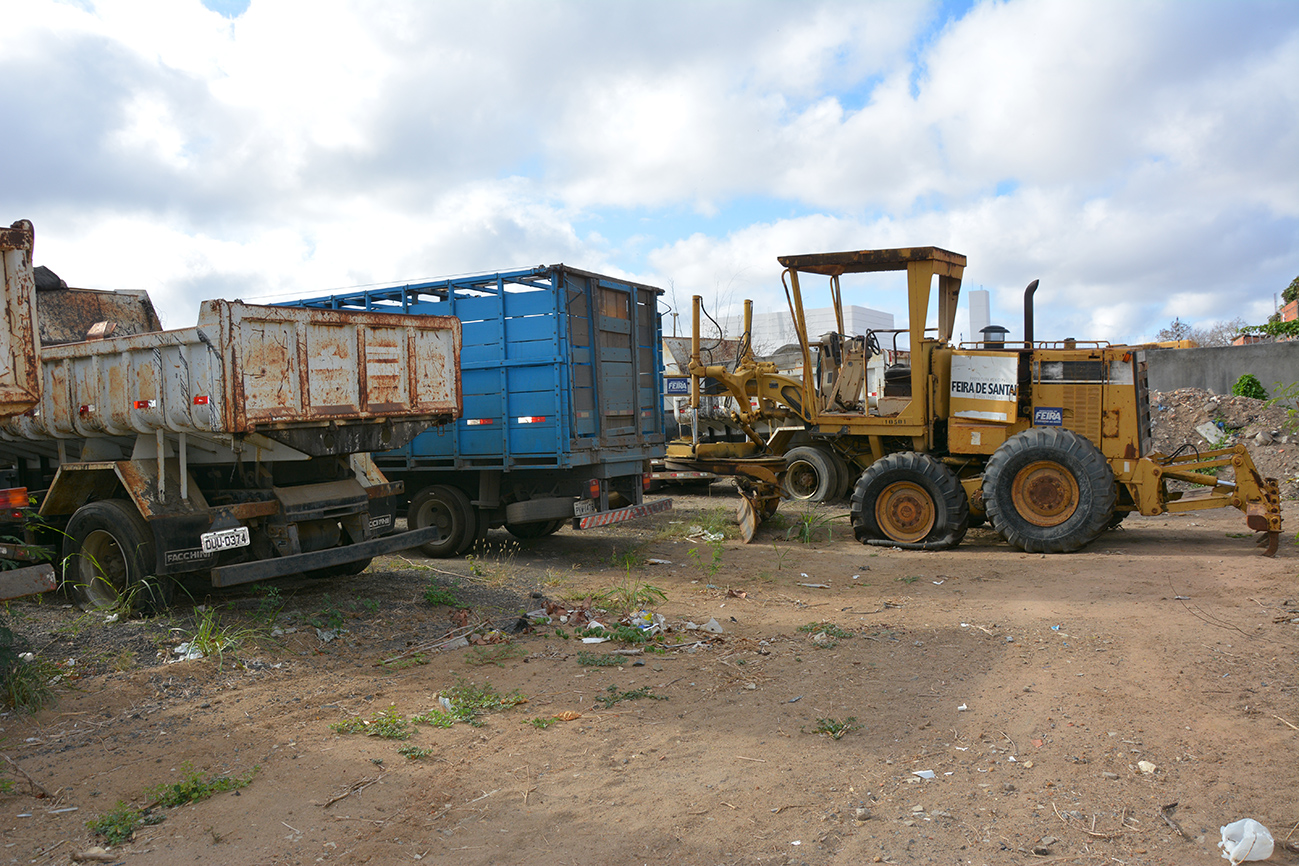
{"points": [[810, 475], [910, 500], [109, 557], [448, 509], [1049, 490]]}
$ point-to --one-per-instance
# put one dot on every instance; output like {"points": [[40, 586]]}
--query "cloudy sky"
{"points": [[1140, 158]]}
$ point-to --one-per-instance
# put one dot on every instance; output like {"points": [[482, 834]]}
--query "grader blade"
{"points": [[746, 515]]}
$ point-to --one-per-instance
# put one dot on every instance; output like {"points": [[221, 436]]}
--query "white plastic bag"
{"points": [[1245, 839]]}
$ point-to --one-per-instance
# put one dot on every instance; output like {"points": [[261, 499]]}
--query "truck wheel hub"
{"points": [[1045, 493], [905, 511]]}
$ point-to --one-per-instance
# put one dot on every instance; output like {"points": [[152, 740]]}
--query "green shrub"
{"points": [[1249, 386]]}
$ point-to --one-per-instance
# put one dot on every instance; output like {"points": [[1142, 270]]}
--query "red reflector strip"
{"points": [[14, 497], [86, 409], [477, 422], [200, 400], [631, 512], [145, 404], [531, 419]]}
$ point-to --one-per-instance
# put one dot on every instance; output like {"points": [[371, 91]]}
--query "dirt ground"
{"points": [[1118, 704]]}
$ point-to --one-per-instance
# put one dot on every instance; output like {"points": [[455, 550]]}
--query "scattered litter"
{"points": [[940, 582], [594, 639], [1245, 839], [63, 810], [736, 593], [1055, 628], [855, 576], [712, 627], [794, 700], [187, 652], [802, 574], [797, 842], [924, 774], [815, 585], [326, 634], [658, 562], [1146, 767], [1013, 759], [965, 625], [962, 708], [1181, 598], [1009, 639]]}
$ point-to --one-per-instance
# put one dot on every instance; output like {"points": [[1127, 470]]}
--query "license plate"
{"points": [[224, 539], [584, 507]]}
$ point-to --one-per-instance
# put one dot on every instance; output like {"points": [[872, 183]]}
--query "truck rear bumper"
{"points": [[265, 569], [31, 580], [631, 512]]}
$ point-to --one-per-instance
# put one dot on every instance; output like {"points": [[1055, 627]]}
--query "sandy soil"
{"points": [[1030, 686]]}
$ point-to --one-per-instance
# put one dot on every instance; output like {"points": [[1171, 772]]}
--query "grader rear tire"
{"points": [[1049, 490], [810, 475]]}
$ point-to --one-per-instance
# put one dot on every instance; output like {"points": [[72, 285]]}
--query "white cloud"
{"points": [[1138, 158]]}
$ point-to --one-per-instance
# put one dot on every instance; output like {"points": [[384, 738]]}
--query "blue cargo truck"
{"points": [[562, 377]]}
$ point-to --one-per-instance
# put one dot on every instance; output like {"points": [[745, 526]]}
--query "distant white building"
{"points": [[773, 330], [980, 313]]}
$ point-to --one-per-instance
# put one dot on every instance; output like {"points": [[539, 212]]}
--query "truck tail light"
{"points": [[593, 488], [14, 497], [145, 404], [645, 482]]}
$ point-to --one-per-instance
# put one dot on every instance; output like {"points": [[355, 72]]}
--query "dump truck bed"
{"points": [[320, 381]]}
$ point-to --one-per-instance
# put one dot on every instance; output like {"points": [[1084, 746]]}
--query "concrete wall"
{"points": [[1217, 369]]}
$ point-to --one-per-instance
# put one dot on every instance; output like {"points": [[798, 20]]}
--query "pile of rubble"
{"points": [[1270, 432]]}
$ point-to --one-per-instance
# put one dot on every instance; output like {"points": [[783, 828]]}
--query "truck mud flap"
{"points": [[265, 569], [631, 512], [31, 580]]}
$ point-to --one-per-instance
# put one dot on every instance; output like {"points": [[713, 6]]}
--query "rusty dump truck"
{"points": [[236, 449]]}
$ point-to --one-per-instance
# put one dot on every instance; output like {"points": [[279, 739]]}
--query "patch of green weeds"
{"points": [[370, 604], [414, 753], [469, 701], [781, 555], [628, 560], [387, 724], [118, 826], [494, 654], [329, 617], [211, 638], [613, 695], [495, 563], [541, 724], [810, 525], [443, 596], [910, 578], [435, 719], [828, 628], [26, 681], [623, 633], [193, 787], [631, 595], [713, 562], [408, 662], [269, 603], [835, 729], [596, 660]]}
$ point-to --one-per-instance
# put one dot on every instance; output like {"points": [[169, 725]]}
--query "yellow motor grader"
{"points": [[1047, 441]]}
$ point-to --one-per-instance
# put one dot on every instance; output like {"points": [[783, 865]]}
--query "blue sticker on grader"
{"points": [[1048, 416]]}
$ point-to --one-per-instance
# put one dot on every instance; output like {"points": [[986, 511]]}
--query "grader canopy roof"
{"points": [[868, 261]]}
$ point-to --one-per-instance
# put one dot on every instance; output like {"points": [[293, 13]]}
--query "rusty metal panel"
{"points": [[248, 369], [67, 315], [19, 370]]}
